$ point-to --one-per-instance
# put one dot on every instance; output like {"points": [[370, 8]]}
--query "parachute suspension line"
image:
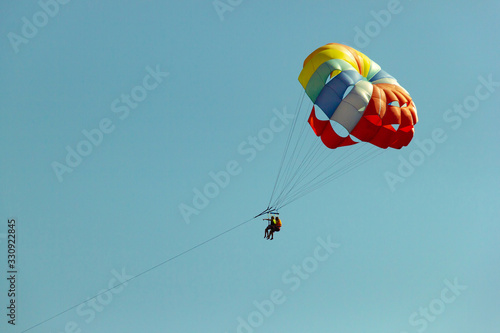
{"points": [[293, 156], [307, 165], [360, 160], [297, 178], [338, 175], [345, 154], [299, 170], [313, 183], [297, 159], [303, 172], [324, 156], [289, 151], [290, 166], [290, 133], [309, 152]]}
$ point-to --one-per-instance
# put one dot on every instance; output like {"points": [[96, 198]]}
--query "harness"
{"points": [[273, 222]]}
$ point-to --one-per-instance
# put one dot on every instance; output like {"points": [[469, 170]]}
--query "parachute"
{"points": [[354, 103]]}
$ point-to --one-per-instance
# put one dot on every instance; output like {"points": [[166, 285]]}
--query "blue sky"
{"points": [[222, 73]]}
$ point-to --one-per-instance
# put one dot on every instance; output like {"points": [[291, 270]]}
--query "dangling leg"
{"points": [[271, 232]]}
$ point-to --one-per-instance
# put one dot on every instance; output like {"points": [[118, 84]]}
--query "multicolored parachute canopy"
{"points": [[354, 102], [351, 90]]}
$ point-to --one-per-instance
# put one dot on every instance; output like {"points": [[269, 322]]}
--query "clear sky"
{"points": [[417, 253]]}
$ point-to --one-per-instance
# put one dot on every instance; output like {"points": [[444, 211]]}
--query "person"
{"points": [[269, 226], [274, 226]]}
